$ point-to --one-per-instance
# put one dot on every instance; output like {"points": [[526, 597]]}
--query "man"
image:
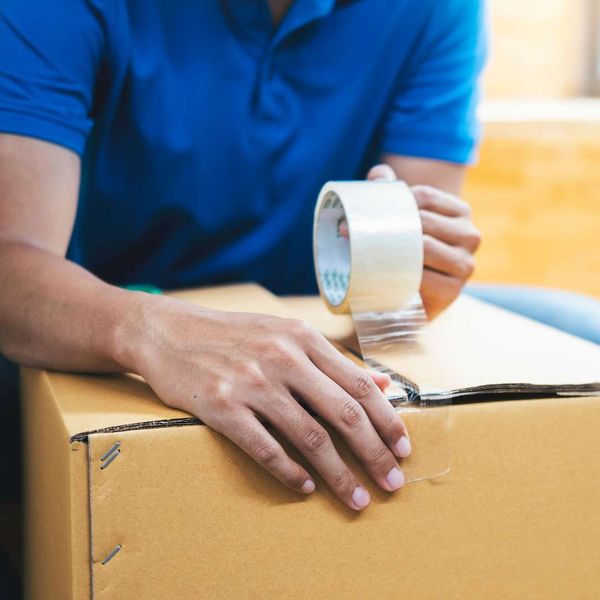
{"points": [[184, 144]]}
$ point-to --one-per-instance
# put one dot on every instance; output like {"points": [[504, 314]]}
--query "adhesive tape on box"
{"points": [[380, 265]]}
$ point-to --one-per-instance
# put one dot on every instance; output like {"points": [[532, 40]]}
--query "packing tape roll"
{"points": [[380, 265]]}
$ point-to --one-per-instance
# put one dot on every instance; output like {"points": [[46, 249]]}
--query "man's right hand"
{"points": [[235, 371]]}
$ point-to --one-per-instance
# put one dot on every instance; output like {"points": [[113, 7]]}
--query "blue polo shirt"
{"points": [[206, 133]]}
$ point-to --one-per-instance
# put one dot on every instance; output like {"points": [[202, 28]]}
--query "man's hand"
{"points": [[236, 370], [450, 241]]}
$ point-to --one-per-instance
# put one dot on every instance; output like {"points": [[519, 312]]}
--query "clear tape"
{"points": [[373, 270]]}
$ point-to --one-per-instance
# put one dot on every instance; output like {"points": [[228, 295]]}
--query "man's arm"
{"points": [[231, 370], [53, 313], [450, 238], [445, 176]]}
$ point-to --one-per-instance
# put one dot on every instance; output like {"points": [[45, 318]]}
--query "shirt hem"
{"points": [[19, 122], [463, 152]]}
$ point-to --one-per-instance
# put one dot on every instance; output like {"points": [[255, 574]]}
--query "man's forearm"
{"points": [[55, 314]]}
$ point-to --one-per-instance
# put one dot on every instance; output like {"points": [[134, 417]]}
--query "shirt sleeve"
{"points": [[50, 55], [433, 113]]}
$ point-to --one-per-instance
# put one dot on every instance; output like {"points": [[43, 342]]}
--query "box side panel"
{"points": [[48, 455], [192, 516]]}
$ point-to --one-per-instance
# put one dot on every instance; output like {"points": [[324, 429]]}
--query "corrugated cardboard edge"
{"points": [[57, 548], [512, 392]]}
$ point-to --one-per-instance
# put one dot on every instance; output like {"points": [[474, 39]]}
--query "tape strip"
{"points": [[368, 251]]}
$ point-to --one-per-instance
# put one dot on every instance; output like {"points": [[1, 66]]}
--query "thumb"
{"points": [[381, 173]]}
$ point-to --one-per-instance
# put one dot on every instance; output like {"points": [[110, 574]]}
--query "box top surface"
{"points": [[472, 344]]}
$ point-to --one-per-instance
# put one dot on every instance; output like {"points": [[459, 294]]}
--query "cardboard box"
{"points": [[127, 498]]}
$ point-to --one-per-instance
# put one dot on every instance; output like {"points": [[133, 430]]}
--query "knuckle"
{"points": [[222, 394], [266, 453], [464, 207], [428, 244], [378, 456], [294, 477], [394, 425], [467, 266], [343, 481], [352, 413], [302, 330], [473, 238], [252, 373], [429, 200], [426, 220], [462, 266], [278, 350], [362, 386], [315, 439]]}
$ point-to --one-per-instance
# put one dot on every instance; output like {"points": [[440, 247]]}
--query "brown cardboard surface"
{"points": [[515, 518]]}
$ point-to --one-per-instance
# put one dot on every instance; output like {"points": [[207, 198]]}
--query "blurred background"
{"points": [[536, 190]]}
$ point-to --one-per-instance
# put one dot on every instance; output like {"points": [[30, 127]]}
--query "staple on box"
{"points": [[110, 455], [112, 554]]}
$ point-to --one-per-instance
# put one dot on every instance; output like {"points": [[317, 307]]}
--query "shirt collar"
{"points": [[252, 18]]}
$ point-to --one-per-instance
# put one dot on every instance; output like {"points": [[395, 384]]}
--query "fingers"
{"points": [[440, 202], [360, 386], [314, 442], [351, 420], [450, 240], [348, 398], [449, 260], [381, 173], [451, 230], [252, 437]]}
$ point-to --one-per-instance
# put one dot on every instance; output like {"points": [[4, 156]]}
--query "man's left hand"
{"points": [[450, 242]]}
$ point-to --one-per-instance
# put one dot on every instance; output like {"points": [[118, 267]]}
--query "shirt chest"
{"points": [[215, 79]]}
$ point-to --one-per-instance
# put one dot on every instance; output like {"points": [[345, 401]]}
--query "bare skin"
{"points": [[55, 314]]}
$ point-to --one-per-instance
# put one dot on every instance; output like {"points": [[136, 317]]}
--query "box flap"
{"points": [[477, 345]]}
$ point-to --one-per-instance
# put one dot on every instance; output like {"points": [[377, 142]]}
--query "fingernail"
{"points": [[395, 478], [308, 487], [403, 447], [360, 498]]}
